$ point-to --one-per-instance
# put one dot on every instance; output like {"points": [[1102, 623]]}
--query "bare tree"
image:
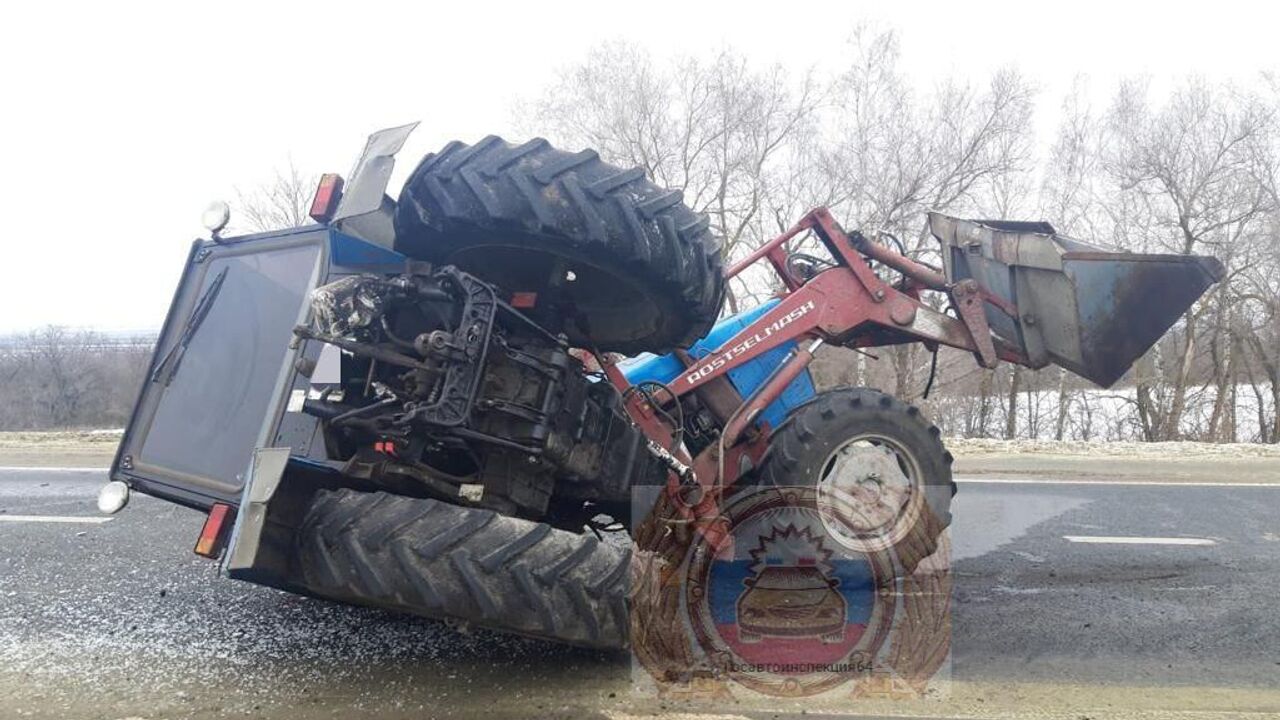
{"points": [[714, 129], [1257, 324], [282, 203], [1187, 171], [756, 147], [67, 385], [1068, 194], [59, 378], [891, 154]]}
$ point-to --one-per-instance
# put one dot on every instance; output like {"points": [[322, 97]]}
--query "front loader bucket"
{"points": [[1088, 310]]}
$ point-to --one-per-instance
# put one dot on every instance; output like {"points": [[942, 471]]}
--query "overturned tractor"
{"points": [[440, 404]]}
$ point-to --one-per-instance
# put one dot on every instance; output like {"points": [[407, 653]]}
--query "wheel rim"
{"points": [[870, 492]]}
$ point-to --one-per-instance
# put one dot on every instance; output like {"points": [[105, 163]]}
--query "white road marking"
{"points": [[1123, 540], [624, 715], [55, 519], [15, 468], [1128, 483]]}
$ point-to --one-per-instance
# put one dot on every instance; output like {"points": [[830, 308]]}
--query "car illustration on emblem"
{"points": [[791, 601]]}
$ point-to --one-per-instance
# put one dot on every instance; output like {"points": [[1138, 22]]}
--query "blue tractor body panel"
{"points": [[745, 379]]}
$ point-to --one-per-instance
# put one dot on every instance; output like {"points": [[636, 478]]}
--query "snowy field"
{"points": [[1101, 415], [964, 447]]}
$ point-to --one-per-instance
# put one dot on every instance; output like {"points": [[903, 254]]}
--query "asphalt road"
{"points": [[119, 619]]}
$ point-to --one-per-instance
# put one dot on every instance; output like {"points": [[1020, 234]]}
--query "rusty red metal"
{"points": [[968, 300], [639, 408], [847, 305], [770, 249]]}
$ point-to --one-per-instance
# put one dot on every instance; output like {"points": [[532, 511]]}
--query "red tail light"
{"points": [[213, 535], [325, 202], [524, 300]]}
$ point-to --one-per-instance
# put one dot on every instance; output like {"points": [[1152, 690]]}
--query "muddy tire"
{"points": [[476, 566], [802, 450], [647, 272]]}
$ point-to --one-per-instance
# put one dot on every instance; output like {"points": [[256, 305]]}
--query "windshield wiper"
{"points": [[168, 367]]}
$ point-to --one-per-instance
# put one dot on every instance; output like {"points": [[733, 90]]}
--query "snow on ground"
{"points": [[61, 438], [104, 441], [962, 447]]}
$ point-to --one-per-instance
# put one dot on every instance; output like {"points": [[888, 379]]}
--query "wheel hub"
{"points": [[868, 490]]}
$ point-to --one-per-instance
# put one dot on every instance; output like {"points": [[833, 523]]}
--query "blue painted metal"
{"points": [[349, 251], [745, 378]]}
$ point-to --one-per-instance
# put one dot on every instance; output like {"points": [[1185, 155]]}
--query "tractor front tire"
{"points": [[616, 262], [804, 447], [475, 566]]}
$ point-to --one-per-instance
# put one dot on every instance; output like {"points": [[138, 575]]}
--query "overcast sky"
{"points": [[121, 122]]}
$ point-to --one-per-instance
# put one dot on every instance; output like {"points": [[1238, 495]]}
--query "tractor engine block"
{"points": [[449, 392]]}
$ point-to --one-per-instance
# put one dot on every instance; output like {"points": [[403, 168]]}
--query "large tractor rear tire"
{"points": [[443, 561], [618, 263], [884, 456]]}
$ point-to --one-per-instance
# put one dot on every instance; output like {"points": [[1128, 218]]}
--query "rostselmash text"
{"points": [[725, 357]]}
